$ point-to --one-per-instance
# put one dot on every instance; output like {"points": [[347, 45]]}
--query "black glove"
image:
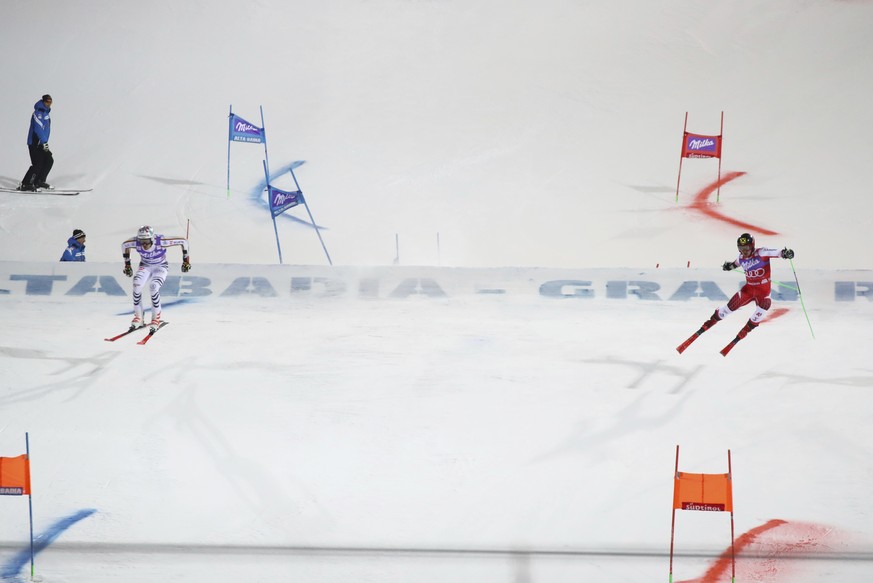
{"points": [[728, 266], [128, 270], [787, 253], [186, 266], [45, 147]]}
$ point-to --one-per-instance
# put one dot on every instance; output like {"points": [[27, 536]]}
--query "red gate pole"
{"points": [[681, 155], [720, 144], [673, 522], [733, 550]]}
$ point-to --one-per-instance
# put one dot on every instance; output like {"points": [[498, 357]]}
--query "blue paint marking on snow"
{"points": [[10, 570], [258, 193], [176, 302]]}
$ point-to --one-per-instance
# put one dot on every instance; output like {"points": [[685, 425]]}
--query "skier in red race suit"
{"points": [[756, 265]]}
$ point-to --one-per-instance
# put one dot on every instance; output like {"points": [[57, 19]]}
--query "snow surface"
{"points": [[366, 430]]}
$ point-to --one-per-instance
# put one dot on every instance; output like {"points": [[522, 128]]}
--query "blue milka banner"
{"points": [[281, 201], [243, 131]]}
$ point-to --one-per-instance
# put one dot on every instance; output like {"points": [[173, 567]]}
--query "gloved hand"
{"points": [[787, 253], [45, 147], [186, 265], [128, 270], [728, 266]]}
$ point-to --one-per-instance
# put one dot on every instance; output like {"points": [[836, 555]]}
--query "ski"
{"points": [[123, 334], [740, 335], [681, 348], [724, 351], [57, 191], [706, 326], [152, 332]]}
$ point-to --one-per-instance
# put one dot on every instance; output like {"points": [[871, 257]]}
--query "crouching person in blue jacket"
{"points": [[75, 250]]}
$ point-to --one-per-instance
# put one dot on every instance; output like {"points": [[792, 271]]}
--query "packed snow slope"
{"points": [[432, 424], [517, 134]]}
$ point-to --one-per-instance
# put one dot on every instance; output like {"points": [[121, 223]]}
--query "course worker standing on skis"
{"points": [[756, 265], [152, 269], [41, 159]]}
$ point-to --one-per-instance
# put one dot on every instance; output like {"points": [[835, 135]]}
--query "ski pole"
{"points": [[800, 295], [788, 285], [796, 288]]}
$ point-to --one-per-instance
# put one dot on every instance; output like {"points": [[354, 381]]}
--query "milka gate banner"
{"points": [[282, 200], [701, 146], [239, 130]]}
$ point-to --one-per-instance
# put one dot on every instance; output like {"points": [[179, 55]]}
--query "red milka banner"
{"points": [[700, 146]]}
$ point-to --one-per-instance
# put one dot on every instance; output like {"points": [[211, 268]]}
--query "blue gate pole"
{"points": [[229, 130], [266, 156], [317, 232], [29, 502], [270, 207]]}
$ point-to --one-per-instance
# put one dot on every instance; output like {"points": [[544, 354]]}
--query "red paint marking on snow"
{"points": [[775, 313], [770, 545], [722, 565], [701, 204]]}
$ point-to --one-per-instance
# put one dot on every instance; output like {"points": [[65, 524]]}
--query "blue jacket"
{"points": [[40, 124], [75, 251]]}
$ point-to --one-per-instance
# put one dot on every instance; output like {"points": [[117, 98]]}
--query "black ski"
{"points": [[57, 191]]}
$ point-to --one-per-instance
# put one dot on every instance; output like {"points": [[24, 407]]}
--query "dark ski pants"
{"points": [[41, 162]]}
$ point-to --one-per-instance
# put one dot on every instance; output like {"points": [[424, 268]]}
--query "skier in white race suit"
{"points": [[152, 269]]}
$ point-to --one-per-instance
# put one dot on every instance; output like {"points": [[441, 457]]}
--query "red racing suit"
{"points": [[757, 270]]}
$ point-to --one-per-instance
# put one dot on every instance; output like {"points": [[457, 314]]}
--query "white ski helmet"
{"points": [[145, 233]]}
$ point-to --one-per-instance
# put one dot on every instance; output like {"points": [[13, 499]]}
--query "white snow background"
{"points": [[348, 434]]}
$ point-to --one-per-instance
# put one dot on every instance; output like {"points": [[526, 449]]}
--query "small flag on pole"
{"points": [[281, 200], [701, 146], [706, 492], [703, 492], [15, 481], [15, 476], [243, 131], [240, 130]]}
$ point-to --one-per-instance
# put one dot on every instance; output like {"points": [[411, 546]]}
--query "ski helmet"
{"points": [[746, 244], [145, 233]]}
